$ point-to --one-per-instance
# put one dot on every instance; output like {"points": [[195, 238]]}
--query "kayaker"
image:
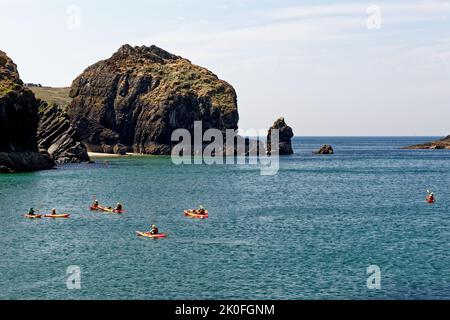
{"points": [[154, 230], [95, 205], [53, 213], [118, 207], [31, 212], [202, 211], [430, 197]]}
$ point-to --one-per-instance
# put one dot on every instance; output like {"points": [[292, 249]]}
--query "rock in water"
{"points": [[18, 123], [437, 145], [134, 100], [325, 149], [57, 135], [285, 136]]}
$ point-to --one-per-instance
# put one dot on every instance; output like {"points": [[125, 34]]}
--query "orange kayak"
{"points": [[191, 214], [55, 216], [100, 208], [151, 236], [33, 216]]}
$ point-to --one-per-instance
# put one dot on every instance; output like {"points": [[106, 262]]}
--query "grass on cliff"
{"points": [[187, 78], [7, 86], [59, 96]]}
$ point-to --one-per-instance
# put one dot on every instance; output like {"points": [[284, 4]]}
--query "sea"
{"points": [[353, 225]]}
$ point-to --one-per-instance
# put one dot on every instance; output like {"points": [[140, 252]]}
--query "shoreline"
{"points": [[111, 155]]}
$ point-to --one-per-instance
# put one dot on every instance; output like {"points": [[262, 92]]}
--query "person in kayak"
{"points": [[119, 207], [154, 230], [53, 213], [95, 204], [31, 212], [202, 211], [431, 197]]}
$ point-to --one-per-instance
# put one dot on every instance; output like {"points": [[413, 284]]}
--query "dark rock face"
{"points": [[285, 136], [325, 149], [134, 100], [18, 123], [56, 135], [436, 145]]}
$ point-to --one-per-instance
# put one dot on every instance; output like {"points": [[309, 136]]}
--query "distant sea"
{"points": [[309, 232]]}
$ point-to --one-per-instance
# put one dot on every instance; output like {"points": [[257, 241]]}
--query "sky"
{"points": [[331, 68]]}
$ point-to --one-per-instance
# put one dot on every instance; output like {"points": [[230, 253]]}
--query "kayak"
{"points": [[196, 215], [33, 216], [55, 216], [149, 235], [99, 208]]}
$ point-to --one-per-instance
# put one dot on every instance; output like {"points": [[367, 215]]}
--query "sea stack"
{"points": [[18, 123], [285, 136], [325, 149], [134, 100]]}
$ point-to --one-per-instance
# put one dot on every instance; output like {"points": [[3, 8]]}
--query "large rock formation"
{"points": [[57, 135], [285, 136], [440, 144], [134, 100], [18, 123]]}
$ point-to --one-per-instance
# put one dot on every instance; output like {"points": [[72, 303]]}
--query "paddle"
{"points": [[38, 208]]}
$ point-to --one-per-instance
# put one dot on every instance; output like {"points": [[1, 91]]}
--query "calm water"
{"points": [[309, 232]]}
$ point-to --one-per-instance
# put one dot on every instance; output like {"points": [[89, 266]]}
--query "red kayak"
{"points": [[151, 236], [429, 200]]}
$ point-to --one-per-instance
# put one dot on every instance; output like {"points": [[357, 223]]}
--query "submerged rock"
{"points": [[57, 135], [435, 145], [325, 149], [134, 100], [18, 123], [285, 136]]}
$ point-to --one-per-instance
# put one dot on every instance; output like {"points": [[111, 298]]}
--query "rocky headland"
{"points": [[439, 144], [18, 123]]}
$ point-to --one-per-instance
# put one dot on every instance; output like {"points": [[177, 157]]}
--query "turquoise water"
{"points": [[309, 232]]}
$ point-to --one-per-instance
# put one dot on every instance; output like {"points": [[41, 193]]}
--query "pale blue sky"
{"points": [[314, 62]]}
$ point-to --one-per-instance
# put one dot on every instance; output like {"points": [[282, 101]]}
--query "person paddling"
{"points": [[119, 207], [31, 212], [95, 204], [154, 230], [202, 211], [53, 213], [431, 197]]}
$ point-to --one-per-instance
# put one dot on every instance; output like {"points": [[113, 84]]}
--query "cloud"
{"points": [[397, 8]]}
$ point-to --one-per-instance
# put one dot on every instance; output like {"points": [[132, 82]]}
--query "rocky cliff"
{"points": [[440, 144], [57, 135], [285, 136], [18, 123], [134, 100]]}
